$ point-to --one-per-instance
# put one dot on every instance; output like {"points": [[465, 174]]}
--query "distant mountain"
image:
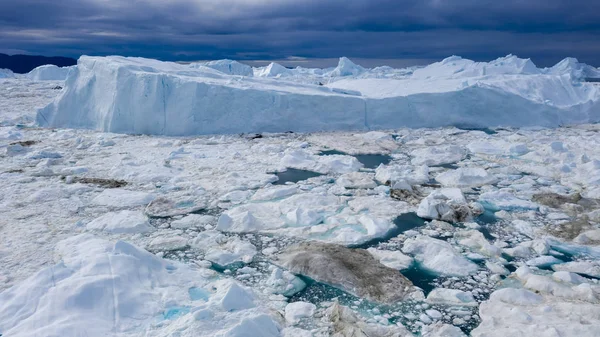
{"points": [[22, 64]]}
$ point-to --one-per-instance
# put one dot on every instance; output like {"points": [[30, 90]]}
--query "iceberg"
{"points": [[49, 72], [6, 73], [143, 96]]}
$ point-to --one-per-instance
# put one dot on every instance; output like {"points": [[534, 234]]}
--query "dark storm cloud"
{"points": [[269, 29]]}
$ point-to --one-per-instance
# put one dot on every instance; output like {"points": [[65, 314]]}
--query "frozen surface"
{"points": [[211, 221], [143, 96], [100, 288]]}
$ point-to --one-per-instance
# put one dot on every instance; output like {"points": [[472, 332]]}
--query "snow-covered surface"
{"points": [[143, 96], [129, 235]]}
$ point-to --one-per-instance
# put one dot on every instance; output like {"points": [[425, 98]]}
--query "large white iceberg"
{"points": [[142, 96]]}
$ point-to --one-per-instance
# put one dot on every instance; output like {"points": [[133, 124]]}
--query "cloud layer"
{"points": [[273, 29]]}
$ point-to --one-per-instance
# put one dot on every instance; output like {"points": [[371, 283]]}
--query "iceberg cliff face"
{"points": [[141, 96]]}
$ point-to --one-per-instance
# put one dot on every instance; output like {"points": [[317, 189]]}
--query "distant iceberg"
{"points": [[143, 96], [49, 72]]}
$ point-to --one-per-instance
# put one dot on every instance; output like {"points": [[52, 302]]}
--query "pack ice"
{"points": [[143, 96]]}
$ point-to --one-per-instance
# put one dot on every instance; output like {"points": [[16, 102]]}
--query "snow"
{"points": [[49, 72], [438, 256], [174, 99]]}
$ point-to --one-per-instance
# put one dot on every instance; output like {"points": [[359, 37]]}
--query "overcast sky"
{"points": [[404, 31]]}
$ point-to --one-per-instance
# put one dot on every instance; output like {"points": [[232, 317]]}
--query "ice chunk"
{"points": [[502, 200], [438, 256], [447, 204], [465, 177], [261, 325], [233, 297], [591, 268], [193, 221], [516, 296], [273, 70], [121, 222], [451, 297], [100, 288], [168, 243], [229, 67], [6, 73], [49, 72], [356, 180], [296, 311], [285, 283], [346, 67], [544, 261], [519, 312], [392, 259], [119, 198], [438, 155], [223, 250], [441, 330], [274, 192]]}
